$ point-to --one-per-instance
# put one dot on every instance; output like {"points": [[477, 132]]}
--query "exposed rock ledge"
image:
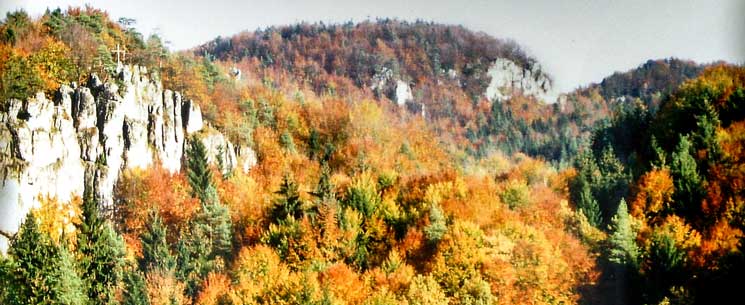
{"points": [[91, 133], [508, 78]]}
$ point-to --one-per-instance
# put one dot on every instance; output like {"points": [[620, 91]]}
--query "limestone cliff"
{"points": [[90, 134], [508, 78]]}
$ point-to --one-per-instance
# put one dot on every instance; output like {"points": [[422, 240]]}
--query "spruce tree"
{"points": [[135, 289], [287, 142], [623, 249], [582, 186], [589, 206], [324, 192], [705, 136], [207, 243], [155, 252], [288, 204], [214, 220], [314, 145], [437, 225], [687, 182], [101, 254], [40, 271], [199, 175], [612, 183]]}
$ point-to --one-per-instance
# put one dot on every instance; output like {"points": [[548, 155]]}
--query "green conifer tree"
{"points": [[287, 142], [437, 225], [623, 249], [687, 182], [41, 271], [101, 254], [582, 187], [156, 254], [135, 289], [199, 174], [206, 245], [314, 145], [589, 206], [288, 203]]}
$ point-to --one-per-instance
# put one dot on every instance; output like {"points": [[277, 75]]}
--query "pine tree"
{"points": [[101, 252], [289, 203], [287, 142], [155, 252], [623, 249], [659, 156], [437, 225], [214, 220], [314, 145], [135, 289], [40, 271], [687, 182], [325, 188], [589, 206], [705, 136], [207, 243], [612, 183], [581, 189], [200, 177]]}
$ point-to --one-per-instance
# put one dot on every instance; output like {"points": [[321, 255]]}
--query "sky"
{"points": [[577, 41]]}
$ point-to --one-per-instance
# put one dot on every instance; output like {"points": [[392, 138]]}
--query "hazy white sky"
{"points": [[577, 41]]}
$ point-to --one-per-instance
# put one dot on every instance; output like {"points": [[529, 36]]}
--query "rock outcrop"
{"points": [[89, 134], [508, 78], [398, 90]]}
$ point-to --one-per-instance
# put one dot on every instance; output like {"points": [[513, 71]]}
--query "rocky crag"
{"points": [[508, 78], [90, 134]]}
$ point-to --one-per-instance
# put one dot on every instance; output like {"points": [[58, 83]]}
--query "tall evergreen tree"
{"points": [[623, 249], [101, 253], [199, 175], [314, 145], [687, 182], [612, 183], [214, 220], [135, 289], [581, 188], [705, 136], [437, 225], [325, 188], [287, 142], [289, 203], [207, 243], [589, 206], [40, 271], [156, 254]]}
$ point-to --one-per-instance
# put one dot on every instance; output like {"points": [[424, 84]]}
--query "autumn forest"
{"points": [[630, 190]]}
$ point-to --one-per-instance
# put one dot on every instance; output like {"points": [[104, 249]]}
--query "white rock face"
{"points": [[403, 93], [40, 157], [220, 151], [247, 158], [192, 117], [507, 78], [385, 79], [89, 135]]}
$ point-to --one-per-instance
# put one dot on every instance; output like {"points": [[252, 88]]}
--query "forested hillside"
{"points": [[629, 191], [669, 184]]}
